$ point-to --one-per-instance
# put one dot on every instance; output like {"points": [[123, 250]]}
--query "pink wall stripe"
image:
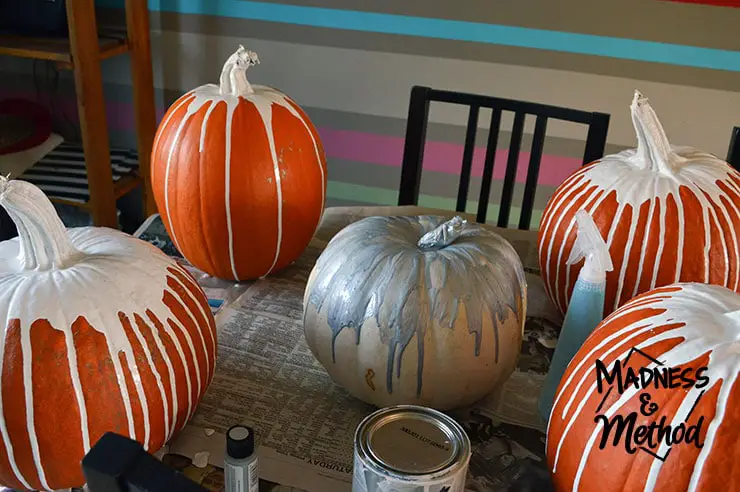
{"points": [[371, 148], [438, 156]]}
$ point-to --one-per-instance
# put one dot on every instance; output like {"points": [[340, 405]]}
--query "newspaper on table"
{"points": [[268, 378]]}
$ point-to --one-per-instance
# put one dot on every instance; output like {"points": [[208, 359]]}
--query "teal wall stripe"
{"points": [[586, 44]]}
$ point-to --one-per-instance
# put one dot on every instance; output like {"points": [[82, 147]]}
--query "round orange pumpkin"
{"points": [[101, 332], [674, 425], [239, 175], [668, 214]]}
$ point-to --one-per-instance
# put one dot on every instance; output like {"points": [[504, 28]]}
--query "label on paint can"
{"points": [[410, 449]]}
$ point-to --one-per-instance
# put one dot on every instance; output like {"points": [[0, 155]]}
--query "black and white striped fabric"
{"points": [[62, 174]]}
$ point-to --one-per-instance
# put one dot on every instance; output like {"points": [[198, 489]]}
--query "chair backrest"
{"points": [[416, 127], [733, 153]]}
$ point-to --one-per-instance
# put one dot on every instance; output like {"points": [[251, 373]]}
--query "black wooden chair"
{"points": [[733, 153], [416, 127]]}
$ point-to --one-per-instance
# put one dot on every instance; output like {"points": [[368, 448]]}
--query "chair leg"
{"points": [[91, 106], [137, 23]]}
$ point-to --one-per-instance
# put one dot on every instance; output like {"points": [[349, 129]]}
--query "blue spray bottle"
{"points": [[586, 307]]}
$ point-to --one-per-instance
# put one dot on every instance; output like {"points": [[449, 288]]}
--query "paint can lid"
{"points": [[240, 442], [412, 440]]}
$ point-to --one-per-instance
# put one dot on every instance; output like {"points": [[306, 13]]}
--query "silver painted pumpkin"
{"points": [[416, 310]]}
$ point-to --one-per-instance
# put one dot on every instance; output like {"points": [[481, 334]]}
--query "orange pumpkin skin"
{"points": [[57, 424], [239, 177], [688, 326], [667, 214], [102, 332]]}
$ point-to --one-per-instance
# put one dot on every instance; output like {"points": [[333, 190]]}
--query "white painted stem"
{"points": [[652, 143], [233, 80], [43, 237]]}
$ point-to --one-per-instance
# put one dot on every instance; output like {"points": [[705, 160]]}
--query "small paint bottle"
{"points": [[241, 468]]}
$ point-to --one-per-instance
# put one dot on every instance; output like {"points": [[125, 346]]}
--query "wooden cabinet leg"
{"points": [[137, 22], [83, 33]]}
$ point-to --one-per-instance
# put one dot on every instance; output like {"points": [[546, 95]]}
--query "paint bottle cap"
{"points": [[239, 442]]}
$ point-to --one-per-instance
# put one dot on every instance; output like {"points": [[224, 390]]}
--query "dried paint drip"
{"points": [[117, 325], [682, 326], [668, 214], [374, 269]]}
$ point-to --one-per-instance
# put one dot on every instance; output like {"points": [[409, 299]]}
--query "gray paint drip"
{"points": [[374, 268]]}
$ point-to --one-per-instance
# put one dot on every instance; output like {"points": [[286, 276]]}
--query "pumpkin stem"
{"points": [[653, 147], [443, 235], [234, 74], [44, 243]]}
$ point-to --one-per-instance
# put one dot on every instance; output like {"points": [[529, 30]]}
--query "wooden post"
{"points": [[137, 25], [85, 48]]}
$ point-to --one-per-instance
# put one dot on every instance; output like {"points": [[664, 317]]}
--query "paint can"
{"points": [[408, 448]]}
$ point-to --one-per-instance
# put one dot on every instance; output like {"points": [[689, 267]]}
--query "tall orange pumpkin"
{"points": [[101, 332], [239, 175], [669, 214], [674, 426]]}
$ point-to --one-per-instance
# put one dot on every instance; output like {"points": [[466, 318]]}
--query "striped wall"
{"points": [[721, 3], [351, 64]]}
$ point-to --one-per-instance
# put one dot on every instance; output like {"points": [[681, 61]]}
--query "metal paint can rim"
{"points": [[457, 457]]}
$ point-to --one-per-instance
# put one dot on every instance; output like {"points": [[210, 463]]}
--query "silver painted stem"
{"points": [[444, 235]]}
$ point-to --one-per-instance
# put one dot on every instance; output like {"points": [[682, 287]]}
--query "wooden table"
{"points": [[333, 220]]}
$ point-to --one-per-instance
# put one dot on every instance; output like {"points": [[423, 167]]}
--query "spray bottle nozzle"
{"points": [[590, 245]]}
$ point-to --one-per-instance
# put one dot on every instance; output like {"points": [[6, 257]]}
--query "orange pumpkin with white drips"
{"points": [[651, 401], [668, 214], [239, 175], [102, 332]]}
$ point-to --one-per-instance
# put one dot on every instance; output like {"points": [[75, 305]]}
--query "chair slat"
{"points": [[533, 172], [467, 162], [413, 156], [733, 153], [511, 166], [596, 138], [490, 160], [413, 151]]}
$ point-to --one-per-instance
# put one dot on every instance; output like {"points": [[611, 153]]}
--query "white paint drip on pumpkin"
{"points": [[264, 107], [297, 115], [201, 306], [77, 385], [181, 353], [649, 174], [234, 90], [173, 146], [90, 273], [191, 347], [171, 417], [6, 435], [706, 315], [194, 320], [31, 425], [157, 376], [231, 105], [204, 127]]}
